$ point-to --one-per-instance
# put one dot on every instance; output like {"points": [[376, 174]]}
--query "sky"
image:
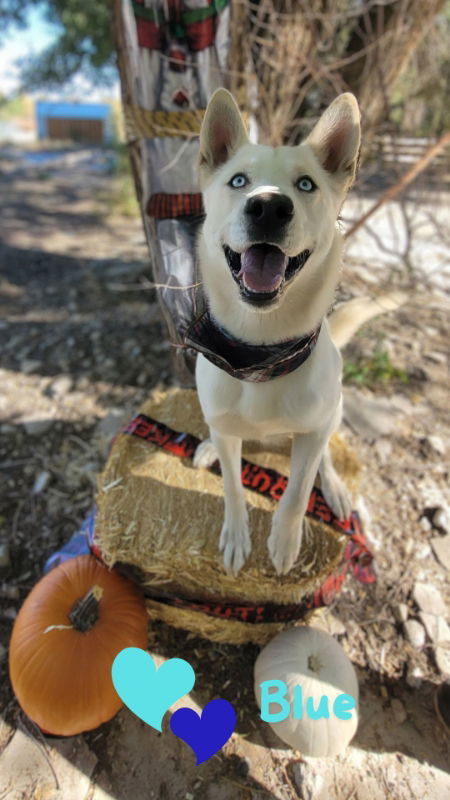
{"points": [[38, 35], [20, 42]]}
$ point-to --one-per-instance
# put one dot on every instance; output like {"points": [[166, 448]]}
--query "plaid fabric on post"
{"points": [[170, 206], [195, 26]]}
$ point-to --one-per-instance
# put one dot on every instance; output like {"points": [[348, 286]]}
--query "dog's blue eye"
{"points": [[238, 181], [305, 184]]}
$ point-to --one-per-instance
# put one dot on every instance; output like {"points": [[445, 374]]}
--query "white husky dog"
{"points": [[269, 255]]}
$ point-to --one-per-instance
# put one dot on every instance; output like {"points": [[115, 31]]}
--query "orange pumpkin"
{"points": [[65, 638]]}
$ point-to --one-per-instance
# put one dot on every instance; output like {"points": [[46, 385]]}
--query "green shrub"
{"points": [[373, 370]]}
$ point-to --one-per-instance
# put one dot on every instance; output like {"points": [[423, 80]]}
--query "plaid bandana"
{"points": [[248, 362]]}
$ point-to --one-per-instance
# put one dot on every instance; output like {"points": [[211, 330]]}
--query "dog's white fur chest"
{"points": [[299, 402]]}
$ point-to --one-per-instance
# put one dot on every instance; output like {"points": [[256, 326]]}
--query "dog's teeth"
{"points": [[256, 291], [249, 289]]}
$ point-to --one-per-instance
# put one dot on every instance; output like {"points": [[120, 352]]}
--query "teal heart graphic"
{"points": [[147, 691]]}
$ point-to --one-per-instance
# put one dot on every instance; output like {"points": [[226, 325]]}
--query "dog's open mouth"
{"points": [[262, 270]]}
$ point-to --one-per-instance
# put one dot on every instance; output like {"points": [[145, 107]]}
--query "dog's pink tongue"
{"points": [[262, 268]]}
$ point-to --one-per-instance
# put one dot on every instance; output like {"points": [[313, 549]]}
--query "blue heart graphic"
{"points": [[146, 691], [207, 733]]}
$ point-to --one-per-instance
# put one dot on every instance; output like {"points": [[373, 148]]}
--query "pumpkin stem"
{"points": [[314, 663], [84, 613]]}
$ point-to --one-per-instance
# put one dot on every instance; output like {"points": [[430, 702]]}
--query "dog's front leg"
{"points": [[287, 523], [235, 541]]}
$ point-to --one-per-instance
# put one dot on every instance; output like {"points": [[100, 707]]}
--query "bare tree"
{"points": [[294, 56]]}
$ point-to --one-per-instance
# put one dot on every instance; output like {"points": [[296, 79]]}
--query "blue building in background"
{"points": [[86, 123]]}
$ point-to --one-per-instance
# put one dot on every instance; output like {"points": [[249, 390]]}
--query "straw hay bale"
{"points": [[159, 514], [229, 631]]}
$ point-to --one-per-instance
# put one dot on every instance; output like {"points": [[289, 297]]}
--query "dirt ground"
{"points": [[82, 343]]}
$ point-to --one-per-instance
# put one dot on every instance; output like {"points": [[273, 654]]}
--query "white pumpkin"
{"points": [[313, 661]]}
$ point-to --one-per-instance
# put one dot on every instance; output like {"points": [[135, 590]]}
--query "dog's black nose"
{"points": [[268, 211]]}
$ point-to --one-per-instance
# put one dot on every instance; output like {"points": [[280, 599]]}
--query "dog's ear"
{"points": [[336, 138], [222, 133]]}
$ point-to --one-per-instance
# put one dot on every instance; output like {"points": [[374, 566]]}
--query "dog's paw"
{"points": [[235, 543], [336, 496], [205, 454], [284, 542]]}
